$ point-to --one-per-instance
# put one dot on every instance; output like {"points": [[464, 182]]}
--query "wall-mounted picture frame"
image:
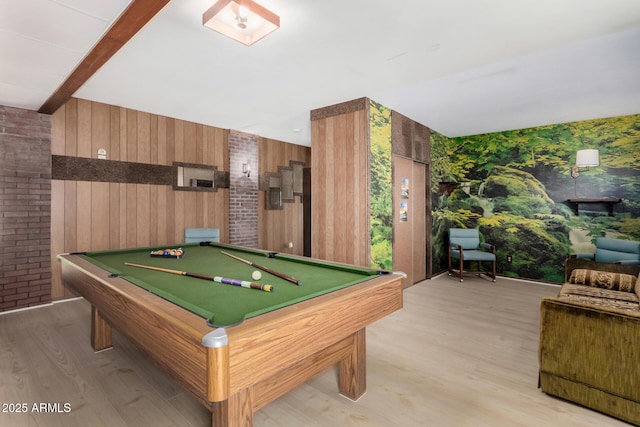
{"points": [[404, 188], [298, 177], [404, 211], [286, 184], [271, 183]]}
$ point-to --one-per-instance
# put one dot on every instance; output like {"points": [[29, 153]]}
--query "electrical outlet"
{"points": [[509, 258]]}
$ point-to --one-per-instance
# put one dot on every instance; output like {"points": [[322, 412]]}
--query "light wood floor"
{"points": [[458, 354]]}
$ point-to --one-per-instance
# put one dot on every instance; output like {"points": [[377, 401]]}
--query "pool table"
{"points": [[235, 349]]}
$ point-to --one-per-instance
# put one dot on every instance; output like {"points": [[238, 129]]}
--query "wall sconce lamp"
{"points": [[585, 159], [246, 169], [242, 20]]}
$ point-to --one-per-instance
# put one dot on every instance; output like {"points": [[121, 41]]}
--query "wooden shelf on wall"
{"points": [[609, 201]]}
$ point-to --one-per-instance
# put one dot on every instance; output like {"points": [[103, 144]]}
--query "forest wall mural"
{"points": [[380, 203], [514, 186]]}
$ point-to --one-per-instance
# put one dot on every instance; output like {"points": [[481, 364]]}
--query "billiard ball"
{"points": [[256, 275]]}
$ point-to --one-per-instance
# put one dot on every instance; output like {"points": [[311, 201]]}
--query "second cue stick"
{"points": [[267, 269], [217, 279]]}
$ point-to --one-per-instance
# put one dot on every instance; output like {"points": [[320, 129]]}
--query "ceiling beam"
{"points": [[135, 16]]}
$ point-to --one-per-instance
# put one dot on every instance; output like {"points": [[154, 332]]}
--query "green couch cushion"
{"points": [[604, 280]]}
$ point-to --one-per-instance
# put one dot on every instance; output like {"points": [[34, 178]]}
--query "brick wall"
{"points": [[25, 208], [243, 190]]}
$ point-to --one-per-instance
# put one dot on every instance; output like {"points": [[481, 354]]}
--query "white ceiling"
{"points": [[460, 67]]}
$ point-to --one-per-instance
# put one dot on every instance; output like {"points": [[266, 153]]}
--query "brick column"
{"points": [[243, 190], [25, 208]]}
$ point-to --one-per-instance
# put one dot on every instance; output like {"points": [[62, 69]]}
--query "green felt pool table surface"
{"points": [[223, 304]]}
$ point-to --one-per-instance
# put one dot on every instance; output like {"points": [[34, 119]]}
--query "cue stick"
{"points": [[217, 279], [267, 269]]}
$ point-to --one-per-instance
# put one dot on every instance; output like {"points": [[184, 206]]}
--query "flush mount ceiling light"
{"points": [[242, 20]]}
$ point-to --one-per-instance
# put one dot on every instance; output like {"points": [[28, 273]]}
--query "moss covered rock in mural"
{"points": [[524, 225], [505, 182]]}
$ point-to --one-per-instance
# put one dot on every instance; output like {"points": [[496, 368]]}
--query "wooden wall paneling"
{"points": [[188, 211], [318, 188], [154, 208], [364, 190], [171, 141], [178, 146], [201, 210], [200, 144], [99, 218], [143, 137], [353, 251], [276, 228], [329, 183], [209, 147], [71, 128], [84, 128], [153, 139], [114, 216], [161, 214], [343, 179], [354, 194], [124, 135], [100, 129], [114, 133], [132, 136], [131, 216], [143, 212], [57, 236], [421, 143], [83, 216], [170, 209], [403, 231], [122, 226], [189, 143], [179, 216], [161, 140], [418, 196], [100, 215]]}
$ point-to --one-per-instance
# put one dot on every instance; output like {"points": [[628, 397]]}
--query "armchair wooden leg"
{"points": [[494, 271], [461, 266]]}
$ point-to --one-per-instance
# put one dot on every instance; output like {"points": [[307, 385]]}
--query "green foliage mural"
{"points": [[513, 186], [381, 206]]}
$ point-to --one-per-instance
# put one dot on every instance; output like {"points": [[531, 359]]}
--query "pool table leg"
{"points": [[237, 411], [101, 334], [353, 369]]}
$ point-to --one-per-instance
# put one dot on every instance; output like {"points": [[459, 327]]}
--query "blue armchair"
{"points": [[616, 251], [465, 245]]}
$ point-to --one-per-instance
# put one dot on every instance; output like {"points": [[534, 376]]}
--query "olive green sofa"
{"points": [[589, 350]]}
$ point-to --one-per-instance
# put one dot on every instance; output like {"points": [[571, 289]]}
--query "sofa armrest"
{"points": [[489, 246], [591, 345]]}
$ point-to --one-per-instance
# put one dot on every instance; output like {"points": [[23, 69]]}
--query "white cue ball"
{"points": [[256, 275]]}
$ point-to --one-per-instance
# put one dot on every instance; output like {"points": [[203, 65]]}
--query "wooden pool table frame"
{"points": [[252, 363]]}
